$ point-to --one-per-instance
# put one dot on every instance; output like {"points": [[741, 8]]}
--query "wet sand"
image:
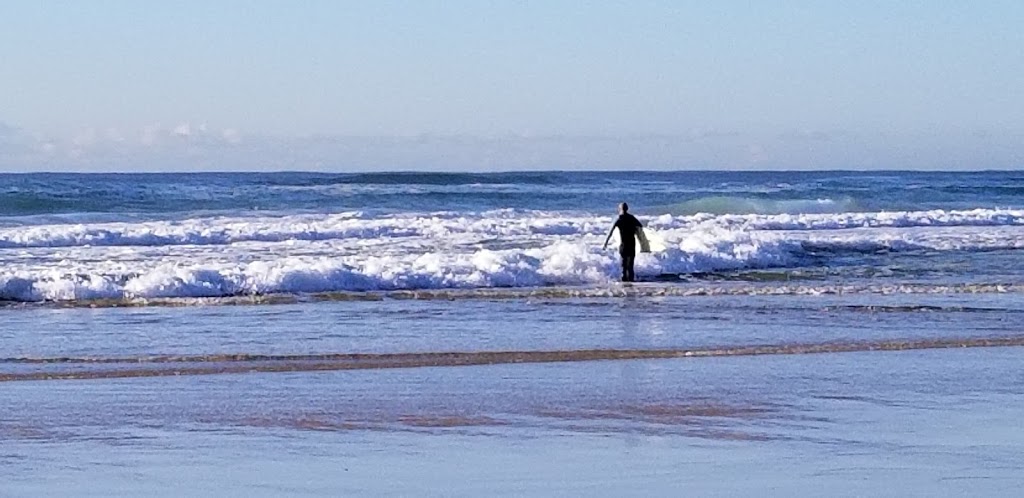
{"points": [[810, 396], [926, 422], [67, 368]]}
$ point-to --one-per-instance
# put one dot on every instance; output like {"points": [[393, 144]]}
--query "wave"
{"points": [[86, 295], [759, 205], [488, 225], [173, 195], [849, 220], [357, 252], [419, 178], [203, 231]]}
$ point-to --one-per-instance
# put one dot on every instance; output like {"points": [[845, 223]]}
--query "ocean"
{"points": [[268, 334]]}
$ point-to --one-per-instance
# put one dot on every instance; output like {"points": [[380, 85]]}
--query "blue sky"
{"points": [[332, 85]]}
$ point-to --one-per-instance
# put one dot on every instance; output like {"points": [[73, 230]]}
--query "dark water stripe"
{"points": [[158, 366], [871, 308]]}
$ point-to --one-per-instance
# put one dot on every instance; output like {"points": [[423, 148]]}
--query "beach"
{"points": [[463, 344], [771, 418]]}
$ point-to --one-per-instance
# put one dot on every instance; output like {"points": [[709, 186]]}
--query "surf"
{"points": [[760, 205]]}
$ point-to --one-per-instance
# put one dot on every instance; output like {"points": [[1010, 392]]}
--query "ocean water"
{"points": [[80, 238], [837, 333]]}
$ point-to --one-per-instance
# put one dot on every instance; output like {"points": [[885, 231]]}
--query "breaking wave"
{"points": [[356, 252], [491, 224], [584, 292]]}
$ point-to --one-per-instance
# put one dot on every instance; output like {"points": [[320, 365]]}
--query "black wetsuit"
{"points": [[628, 226]]}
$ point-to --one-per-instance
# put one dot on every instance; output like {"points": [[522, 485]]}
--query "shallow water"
{"points": [[131, 239], [841, 334], [848, 418], [924, 424]]}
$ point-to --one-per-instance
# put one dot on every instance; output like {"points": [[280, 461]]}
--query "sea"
{"points": [[818, 333]]}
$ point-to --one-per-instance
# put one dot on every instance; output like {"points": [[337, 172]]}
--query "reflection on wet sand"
{"points": [[343, 422], [9, 431], [709, 419], [697, 418], [64, 368]]}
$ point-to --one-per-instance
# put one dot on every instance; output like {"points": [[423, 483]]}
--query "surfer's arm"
{"points": [[609, 237]]}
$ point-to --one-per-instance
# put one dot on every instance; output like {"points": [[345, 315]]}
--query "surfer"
{"points": [[630, 229]]}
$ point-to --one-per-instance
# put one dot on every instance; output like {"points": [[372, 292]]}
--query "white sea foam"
{"points": [[502, 223], [211, 257]]}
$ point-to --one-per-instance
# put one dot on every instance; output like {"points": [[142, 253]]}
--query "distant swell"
{"points": [[758, 205], [158, 366]]}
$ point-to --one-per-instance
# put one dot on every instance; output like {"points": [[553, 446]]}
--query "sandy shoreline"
{"points": [[924, 422], [177, 365]]}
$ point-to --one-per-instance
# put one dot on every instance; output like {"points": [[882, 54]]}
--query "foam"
{"points": [[498, 223], [353, 251]]}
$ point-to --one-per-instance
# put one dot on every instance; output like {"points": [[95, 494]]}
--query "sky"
{"points": [[508, 85]]}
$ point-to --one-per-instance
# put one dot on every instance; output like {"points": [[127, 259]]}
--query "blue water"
{"points": [[156, 195], [86, 238], [836, 333]]}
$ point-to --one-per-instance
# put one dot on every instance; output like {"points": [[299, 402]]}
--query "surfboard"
{"points": [[645, 245]]}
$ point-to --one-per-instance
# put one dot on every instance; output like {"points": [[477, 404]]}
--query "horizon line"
{"points": [[513, 171]]}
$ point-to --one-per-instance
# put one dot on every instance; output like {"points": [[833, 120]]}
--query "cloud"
{"points": [[809, 135], [10, 135], [156, 134], [231, 135], [186, 146], [17, 145], [84, 138], [7, 130], [114, 135], [182, 130], [200, 147], [151, 147]]}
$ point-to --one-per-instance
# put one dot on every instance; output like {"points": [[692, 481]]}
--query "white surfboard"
{"points": [[645, 245]]}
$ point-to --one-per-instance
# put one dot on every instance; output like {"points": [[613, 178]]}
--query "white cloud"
{"points": [[84, 138], [204, 147], [7, 131], [149, 134], [182, 130], [231, 135], [113, 135], [17, 146]]}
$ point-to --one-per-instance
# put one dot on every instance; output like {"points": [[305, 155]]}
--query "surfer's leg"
{"points": [[632, 276], [627, 267]]}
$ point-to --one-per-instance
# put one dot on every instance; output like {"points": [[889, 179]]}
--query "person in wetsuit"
{"points": [[628, 226]]}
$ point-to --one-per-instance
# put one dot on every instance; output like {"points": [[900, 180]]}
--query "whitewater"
{"points": [[182, 237], [843, 330]]}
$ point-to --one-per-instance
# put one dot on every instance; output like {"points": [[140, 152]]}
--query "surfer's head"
{"points": [[623, 208]]}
